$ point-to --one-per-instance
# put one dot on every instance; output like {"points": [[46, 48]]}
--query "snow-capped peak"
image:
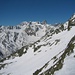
{"points": [[13, 38], [52, 51], [73, 17]]}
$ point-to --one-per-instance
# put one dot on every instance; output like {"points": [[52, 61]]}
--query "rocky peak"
{"points": [[72, 17]]}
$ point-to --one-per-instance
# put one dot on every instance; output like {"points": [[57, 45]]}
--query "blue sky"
{"points": [[13, 12]]}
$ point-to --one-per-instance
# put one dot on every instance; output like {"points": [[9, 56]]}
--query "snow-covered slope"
{"points": [[13, 38], [53, 54]]}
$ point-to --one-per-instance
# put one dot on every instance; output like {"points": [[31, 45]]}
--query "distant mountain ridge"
{"points": [[42, 50], [13, 38]]}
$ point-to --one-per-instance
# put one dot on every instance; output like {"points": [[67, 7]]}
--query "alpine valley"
{"points": [[35, 48]]}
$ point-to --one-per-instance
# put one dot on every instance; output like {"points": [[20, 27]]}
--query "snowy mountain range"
{"points": [[34, 48], [13, 38]]}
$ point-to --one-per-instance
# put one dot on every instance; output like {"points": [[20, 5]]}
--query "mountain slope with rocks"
{"points": [[52, 54], [13, 38]]}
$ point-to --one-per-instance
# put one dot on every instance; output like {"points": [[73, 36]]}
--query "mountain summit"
{"points": [[35, 48], [13, 38]]}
